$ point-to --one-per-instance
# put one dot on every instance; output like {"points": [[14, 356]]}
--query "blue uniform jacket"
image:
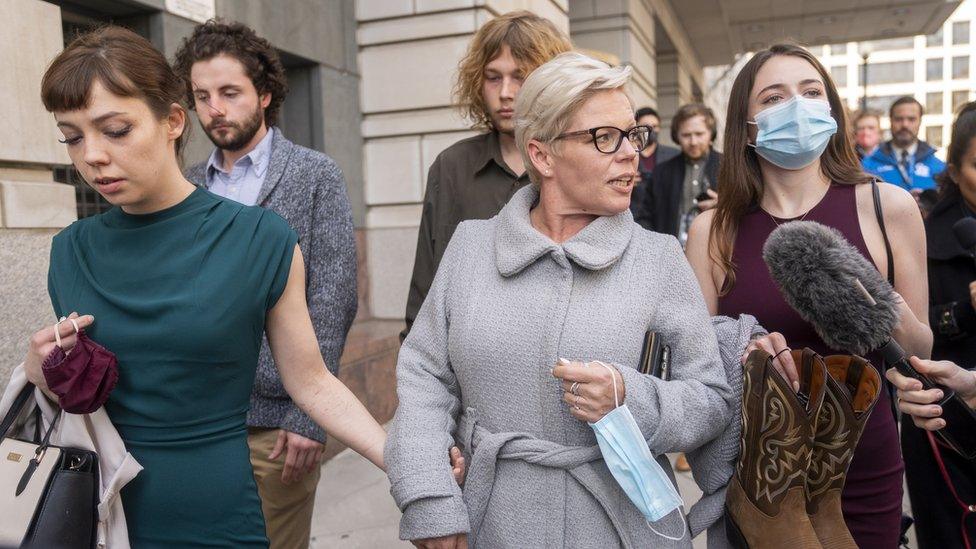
{"points": [[883, 164]]}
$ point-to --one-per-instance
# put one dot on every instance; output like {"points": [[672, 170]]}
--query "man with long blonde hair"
{"points": [[475, 177]]}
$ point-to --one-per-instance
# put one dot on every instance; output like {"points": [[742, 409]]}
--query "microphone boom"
{"points": [[853, 309]]}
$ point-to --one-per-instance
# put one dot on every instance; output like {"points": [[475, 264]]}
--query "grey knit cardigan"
{"points": [[713, 464], [476, 368], [306, 188]]}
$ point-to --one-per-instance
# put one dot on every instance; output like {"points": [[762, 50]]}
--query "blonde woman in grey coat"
{"points": [[561, 272]]}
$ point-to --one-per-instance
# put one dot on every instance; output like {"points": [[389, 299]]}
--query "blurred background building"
{"points": [[936, 68], [370, 86]]}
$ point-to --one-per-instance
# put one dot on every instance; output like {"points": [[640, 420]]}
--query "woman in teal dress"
{"points": [[181, 285]]}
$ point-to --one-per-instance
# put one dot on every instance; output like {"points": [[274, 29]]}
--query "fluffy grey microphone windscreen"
{"points": [[818, 271]]}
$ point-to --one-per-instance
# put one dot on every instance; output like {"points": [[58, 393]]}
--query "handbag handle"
{"points": [[38, 456], [14, 412], [15, 409], [7, 423]]}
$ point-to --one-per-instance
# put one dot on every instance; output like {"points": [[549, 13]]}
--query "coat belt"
{"points": [[486, 448]]}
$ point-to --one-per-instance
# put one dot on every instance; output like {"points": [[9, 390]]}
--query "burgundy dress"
{"points": [[872, 496]]}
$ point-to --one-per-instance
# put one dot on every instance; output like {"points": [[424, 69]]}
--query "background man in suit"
{"points": [[236, 84], [654, 155], [905, 160], [684, 186]]}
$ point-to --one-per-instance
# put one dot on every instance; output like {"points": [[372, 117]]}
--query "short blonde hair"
{"points": [[552, 94], [533, 40]]}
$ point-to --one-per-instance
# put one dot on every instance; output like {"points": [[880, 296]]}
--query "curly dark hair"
{"points": [[259, 57]]}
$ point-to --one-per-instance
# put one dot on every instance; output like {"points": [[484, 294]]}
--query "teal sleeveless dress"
{"points": [[180, 296]]}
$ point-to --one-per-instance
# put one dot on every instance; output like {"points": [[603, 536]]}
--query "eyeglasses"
{"points": [[607, 139]]}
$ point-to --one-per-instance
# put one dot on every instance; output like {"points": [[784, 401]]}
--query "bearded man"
{"points": [[236, 84]]}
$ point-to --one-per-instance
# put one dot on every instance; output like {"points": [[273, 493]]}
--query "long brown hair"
{"points": [[533, 41], [740, 184]]}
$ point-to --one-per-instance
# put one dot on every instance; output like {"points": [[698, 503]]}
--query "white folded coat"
{"points": [[96, 433]]}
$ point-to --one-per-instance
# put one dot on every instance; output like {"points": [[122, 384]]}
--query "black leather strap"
{"points": [[876, 193], [15, 408], [14, 412]]}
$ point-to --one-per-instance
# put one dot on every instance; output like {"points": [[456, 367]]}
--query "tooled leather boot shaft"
{"points": [[765, 505], [777, 427], [853, 388]]}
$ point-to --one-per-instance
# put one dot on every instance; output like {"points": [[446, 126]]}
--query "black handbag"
{"points": [[48, 494]]}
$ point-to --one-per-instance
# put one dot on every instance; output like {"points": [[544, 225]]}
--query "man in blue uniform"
{"points": [[904, 160]]}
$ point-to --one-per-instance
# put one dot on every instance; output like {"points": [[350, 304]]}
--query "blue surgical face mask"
{"points": [[794, 133], [630, 462]]}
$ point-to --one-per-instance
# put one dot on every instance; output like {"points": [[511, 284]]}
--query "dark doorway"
{"points": [[301, 117]]}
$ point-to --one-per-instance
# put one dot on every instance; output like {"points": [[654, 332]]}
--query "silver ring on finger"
{"points": [[574, 387], [576, 402]]}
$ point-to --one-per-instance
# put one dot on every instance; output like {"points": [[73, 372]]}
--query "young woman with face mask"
{"points": [[789, 156]]}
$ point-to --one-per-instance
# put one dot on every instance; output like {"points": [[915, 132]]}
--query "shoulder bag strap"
{"points": [[876, 193], [14, 412]]}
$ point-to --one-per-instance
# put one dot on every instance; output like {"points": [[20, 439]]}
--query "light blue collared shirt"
{"points": [[243, 183]]}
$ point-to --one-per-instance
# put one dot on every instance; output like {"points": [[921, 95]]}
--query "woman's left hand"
{"points": [[589, 389]]}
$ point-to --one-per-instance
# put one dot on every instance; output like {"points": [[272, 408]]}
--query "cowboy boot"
{"points": [[853, 387], [765, 505]]}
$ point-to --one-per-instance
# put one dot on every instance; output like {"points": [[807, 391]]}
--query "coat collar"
{"points": [[281, 150], [518, 244], [940, 239]]}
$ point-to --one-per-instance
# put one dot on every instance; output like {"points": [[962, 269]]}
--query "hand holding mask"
{"points": [[82, 377]]}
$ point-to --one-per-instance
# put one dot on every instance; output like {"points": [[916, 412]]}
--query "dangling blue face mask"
{"points": [[630, 462], [794, 133]]}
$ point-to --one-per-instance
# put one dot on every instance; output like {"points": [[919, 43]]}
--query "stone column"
{"points": [[674, 89], [647, 35], [621, 31], [408, 55], [32, 206], [679, 75]]}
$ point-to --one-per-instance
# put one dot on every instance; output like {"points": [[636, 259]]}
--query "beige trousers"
{"points": [[287, 508]]}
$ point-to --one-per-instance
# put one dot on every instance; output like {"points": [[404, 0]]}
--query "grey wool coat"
{"points": [[505, 304], [306, 188]]}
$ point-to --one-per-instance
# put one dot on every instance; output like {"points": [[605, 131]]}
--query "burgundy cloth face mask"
{"points": [[83, 377]]}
